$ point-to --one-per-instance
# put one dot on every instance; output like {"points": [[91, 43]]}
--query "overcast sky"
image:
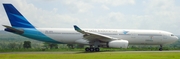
{"points": [[99, 14]]}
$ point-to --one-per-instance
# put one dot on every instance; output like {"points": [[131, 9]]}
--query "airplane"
{"points": [[95, 38]]}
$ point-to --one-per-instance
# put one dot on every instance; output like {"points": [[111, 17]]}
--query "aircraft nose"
{"points": [[176, 38]]}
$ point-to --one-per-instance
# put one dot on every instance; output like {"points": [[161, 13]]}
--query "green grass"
{"points": [[96, 55]]}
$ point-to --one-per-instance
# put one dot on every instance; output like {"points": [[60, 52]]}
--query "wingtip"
{"points": [[75, 25], [76, 28]]}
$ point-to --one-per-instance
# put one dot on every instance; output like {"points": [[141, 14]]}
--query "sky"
{"points": [[99, 14]]}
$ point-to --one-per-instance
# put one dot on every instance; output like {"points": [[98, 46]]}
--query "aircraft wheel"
{"points": [[87, 49], [91, 49], [160, 49], [97, 49]]}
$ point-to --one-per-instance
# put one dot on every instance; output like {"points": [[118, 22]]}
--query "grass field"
{"points": [[95, 55]]}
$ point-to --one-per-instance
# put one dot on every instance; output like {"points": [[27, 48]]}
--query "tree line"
{"points": [[25, 43], [46, 45]]}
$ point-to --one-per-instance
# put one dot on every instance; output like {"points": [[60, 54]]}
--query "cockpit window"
{"points": [[172, 35]]}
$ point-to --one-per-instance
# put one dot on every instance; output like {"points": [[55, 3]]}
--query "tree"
{"points": [[80, 46], [53, 45], [71, 46], [27, 44], [50, 45], [12, 45]]}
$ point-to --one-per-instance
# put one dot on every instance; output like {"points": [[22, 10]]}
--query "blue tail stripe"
{"points": [[35, 34]]}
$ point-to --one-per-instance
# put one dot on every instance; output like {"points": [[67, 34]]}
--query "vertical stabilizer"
{"points": [[15, 17]]}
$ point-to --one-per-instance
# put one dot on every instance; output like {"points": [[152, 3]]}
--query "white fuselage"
{"points": [[139, 37]]}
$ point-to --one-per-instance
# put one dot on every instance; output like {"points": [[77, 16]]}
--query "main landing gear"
{"points": [[160, 48], [92, 49]]}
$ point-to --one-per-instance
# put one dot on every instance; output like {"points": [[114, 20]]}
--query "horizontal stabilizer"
{"points": [[13, 30]]}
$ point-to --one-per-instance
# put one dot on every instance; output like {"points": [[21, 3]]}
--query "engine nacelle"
{"points": [[118, 44]]}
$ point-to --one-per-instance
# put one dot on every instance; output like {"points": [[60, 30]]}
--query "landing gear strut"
{"points": [[160, 48]]}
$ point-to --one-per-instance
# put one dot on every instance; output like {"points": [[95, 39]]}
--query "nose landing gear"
{"points": [[160, 48]]}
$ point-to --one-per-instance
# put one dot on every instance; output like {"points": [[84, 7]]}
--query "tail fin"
{"points": [[15, 17]]}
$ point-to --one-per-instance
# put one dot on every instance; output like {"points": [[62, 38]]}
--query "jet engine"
{"points": [[118, 44]]}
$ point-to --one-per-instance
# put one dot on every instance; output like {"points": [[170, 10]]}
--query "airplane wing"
{"points": [[92, 36]]}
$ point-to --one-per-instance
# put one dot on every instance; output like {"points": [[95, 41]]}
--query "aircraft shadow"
{"points": [[94, 52]]}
